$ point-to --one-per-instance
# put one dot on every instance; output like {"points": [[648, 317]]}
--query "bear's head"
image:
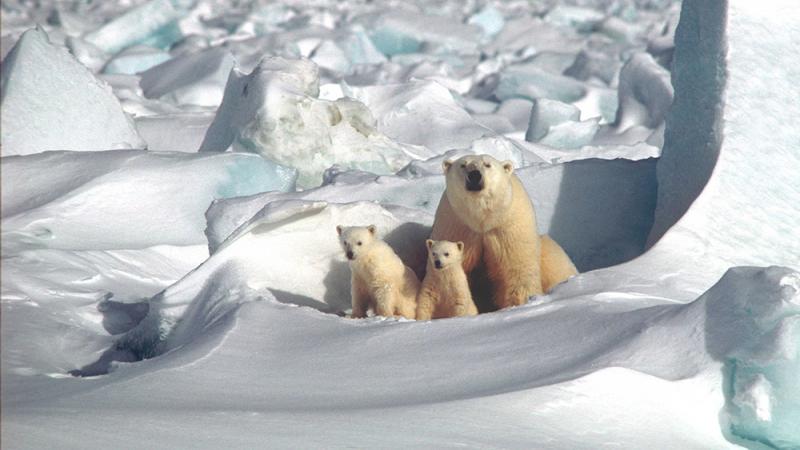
{"points": [[480, 190], [354, 240], [443, 254], [477, 174]]}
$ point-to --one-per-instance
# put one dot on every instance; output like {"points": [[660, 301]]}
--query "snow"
{"points": [[192, 79], [52, 102], [194, 293]]}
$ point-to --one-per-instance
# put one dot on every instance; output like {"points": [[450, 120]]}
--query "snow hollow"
{"points": [[173, 172]]}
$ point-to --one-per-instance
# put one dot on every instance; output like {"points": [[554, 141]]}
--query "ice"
{"points": [[136, 59], [400, 32], [489, 19], [546, 113], [568, 135], [594, 65], [52, 102], [151, 23], [419, 113], [360, 49], [275, 111], [191, 79], [760, 347], [581, 19], [107, 272], [531, 82], [173, 132], [645, 93], [125, 198], [728, 170]]}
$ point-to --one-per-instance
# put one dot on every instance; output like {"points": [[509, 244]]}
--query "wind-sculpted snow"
{"points": [[123, 199], [51, 102], [728, 185], [125, 325]]}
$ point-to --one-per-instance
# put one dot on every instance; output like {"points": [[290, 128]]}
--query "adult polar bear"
{"points": [[485, 206]]}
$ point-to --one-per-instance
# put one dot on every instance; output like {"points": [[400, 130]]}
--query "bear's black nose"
{"points": [[349, 254], [438, 264], [474, 176]]}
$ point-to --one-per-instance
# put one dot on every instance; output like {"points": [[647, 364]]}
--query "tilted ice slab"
{"points": [[153, 21], [275, 111], [125, 198], [193, 79], [420, 113], [728, 174], [52, 102]]}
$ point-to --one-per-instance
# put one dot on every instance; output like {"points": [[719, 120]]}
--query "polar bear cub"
{"points": [[445, 290], [378, 278]]}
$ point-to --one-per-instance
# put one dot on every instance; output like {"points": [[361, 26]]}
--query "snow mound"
{"points": [[645, 93], [275, 111], [125, 198], [761, 353], [728, 190], [246, 264], [191, 79], [51, 102]]}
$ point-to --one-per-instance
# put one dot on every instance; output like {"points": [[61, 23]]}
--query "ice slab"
{"points": [[275, 111], [175, 132], [489, 19], [582, 19], [645, 93], [191, 79], [420, 113], [531, 82], [400, 32], [728, 185], [136, 59], [52, 102], [153, 22], [546, 113], [123, 199]]}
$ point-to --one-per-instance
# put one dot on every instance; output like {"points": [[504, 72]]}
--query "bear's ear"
{"points": [[508, 166], [429, 243], [339, 230], [371, 229], [446, 165], [460, 246]]}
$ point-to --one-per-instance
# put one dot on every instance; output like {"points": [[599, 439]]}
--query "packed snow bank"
{"points": [[51, 102], [123, 199], [759, 342], [728, 185], [275, 111], [310, 271]]}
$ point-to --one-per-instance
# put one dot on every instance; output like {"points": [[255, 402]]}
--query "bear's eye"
{"points": [[446, 255], [487, 165], [358, 243]]}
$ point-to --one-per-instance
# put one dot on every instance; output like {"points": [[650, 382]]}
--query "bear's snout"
{"points": [[437, 264], [474, 180], [350, 254]]}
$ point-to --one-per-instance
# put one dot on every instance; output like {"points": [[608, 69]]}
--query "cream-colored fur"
{"points": [[497, 225], [379, 280], [445, 290]]}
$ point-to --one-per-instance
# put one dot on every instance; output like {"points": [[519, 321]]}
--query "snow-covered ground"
{"points": [[173, 172]]}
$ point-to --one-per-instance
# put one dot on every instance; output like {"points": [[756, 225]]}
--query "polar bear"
{"points": [[379, 279], [444, 291], [485, 206]]}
